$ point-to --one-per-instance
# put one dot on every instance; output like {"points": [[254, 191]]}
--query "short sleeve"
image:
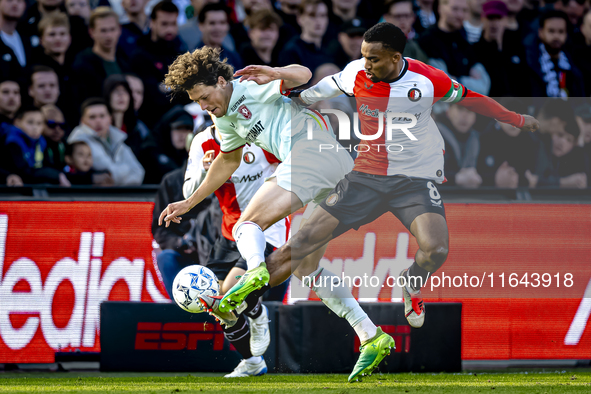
{"points": [[230, 139], [345, 80], [266, 93]]}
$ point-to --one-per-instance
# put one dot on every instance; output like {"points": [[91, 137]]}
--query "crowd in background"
{"points": [[82, 100]]}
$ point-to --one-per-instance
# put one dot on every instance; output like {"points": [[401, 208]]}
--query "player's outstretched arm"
{"points": [[292, 76], [222, 167]]}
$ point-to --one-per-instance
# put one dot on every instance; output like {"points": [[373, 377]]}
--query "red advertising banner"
{"points": [[60, 260]]}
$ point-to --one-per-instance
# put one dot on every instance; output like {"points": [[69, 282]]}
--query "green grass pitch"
{"points": [[532, 381]]}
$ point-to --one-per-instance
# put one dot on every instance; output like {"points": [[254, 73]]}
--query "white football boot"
{"points": [[414, 309], [260, 336], [246, 368]]}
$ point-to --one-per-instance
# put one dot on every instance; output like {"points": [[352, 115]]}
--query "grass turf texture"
{"points": [[578, 381]]}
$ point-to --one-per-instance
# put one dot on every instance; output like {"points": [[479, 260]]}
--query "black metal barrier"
{"points": [[305, 338]]}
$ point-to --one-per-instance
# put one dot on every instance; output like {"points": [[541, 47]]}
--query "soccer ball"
{"points": [[191, 282]]}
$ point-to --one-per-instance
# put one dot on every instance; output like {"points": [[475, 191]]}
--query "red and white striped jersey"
{"points": [[413, 92], [237, 192]]}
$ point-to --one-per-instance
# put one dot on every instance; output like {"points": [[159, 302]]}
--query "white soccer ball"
{"points": [[191, 282]]}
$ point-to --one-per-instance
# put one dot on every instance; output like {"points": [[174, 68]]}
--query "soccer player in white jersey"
{"points": [[254, 110], [384, 179]]}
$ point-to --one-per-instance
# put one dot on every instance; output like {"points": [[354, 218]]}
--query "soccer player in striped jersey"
{"points": [[386, 178]]}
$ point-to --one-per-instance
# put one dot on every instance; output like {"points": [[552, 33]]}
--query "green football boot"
{"points": [[372, 354], [252, 280]]}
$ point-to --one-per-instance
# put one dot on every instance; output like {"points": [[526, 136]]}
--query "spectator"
{"points": [[473, 23], [426, 16], [341, 11], [13, 48], [583, 118], [401, 14], [155, 51], [79, 169], [137, 90], [10, 101], [506, 152], [462, 144], [348, 46], [79, 8], [93, 65], [190, 32], [120, 102], [214, 23], [167, 150], [582, 50], [448, 50], [107, 144], [307, 49], [54, 132], [44, 88], [553, 73], [263, 33], [25, 149], [560, 163], [136, 27], [574, 10], [288, 11]]}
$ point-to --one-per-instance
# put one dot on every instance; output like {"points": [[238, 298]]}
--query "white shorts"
{"points": [[311, 174]]}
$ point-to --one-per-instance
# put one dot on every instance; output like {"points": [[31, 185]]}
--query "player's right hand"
{"points": [[208, 159], [173, 212], [530, 124]]}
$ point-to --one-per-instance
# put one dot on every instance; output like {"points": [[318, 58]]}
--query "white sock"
{"points": [[339, 299], [251, 243], [254, 359]]}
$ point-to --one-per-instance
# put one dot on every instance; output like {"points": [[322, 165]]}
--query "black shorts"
{"points": [[361, 198], [225, 255]]}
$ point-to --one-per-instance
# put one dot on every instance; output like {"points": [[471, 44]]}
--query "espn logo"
{"points": [[178, 336], [401, 335]]}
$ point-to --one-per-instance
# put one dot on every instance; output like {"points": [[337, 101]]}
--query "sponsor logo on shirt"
{"points": [[254, 131], [237, 103], [243, 109], [246, 178], [374, 113]]}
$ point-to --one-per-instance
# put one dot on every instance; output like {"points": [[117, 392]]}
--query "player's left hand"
{"points": [[173, 212], [531, 123], [259, 74]]}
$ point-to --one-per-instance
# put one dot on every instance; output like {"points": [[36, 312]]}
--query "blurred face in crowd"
{"points": [[137, 91], [402, 15], [81, 158], [214, 99], [165, 26], [44, 88], [586, 28], [351, 44], [475, 6], [550, 125], [119, 99], [10, 98], [493, 27], [251, 6], [133, 7], [56, 40], [215, 27], [461, 118], [31, 123], [264, 38], [97, 117], [574, 10], [380, 62], [50, 5], [12, 10], [426, 4], [514, 6], [54, 126], [314, 20], [106, 33], [345, 4], [199, 4], [290, 7], [562, 143], [452, 14], [178, 137], [553, 34], [79, 8]]}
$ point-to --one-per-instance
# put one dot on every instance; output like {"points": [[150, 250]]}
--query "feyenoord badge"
{"points": [[414, 94], [332, 199], [248, 157]]}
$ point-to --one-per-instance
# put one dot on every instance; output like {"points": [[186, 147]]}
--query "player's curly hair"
{"points": [[202, 66]]}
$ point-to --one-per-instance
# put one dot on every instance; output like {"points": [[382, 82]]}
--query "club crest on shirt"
{"points": [[243, 109], [414, 94], [332, 199], [248, 157]]}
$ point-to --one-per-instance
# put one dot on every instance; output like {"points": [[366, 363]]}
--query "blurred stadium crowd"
{"points": [[82, 100]]}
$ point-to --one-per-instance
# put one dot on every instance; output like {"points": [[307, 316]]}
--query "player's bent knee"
{"points": [[436, 256]]}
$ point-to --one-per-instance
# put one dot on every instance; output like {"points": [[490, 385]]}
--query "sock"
{"points": [[239, 336], [254, 359], [365, 330], [340, 300], [254, 308], [251, 243], [415, 270]]}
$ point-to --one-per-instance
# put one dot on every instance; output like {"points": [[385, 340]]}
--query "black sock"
{"points": [[418, 272], [239, 336], [254, 308], [261, 291]]}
